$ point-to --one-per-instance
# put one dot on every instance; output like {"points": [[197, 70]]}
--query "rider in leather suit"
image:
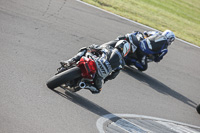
{"points": [[109, 63], [157, 46], [154, 42]]}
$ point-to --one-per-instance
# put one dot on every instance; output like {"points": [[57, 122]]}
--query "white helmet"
{"points": [[123, 46], [169, 35]]}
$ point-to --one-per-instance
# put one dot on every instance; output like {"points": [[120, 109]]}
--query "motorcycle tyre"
{"points": [[63, 77]]}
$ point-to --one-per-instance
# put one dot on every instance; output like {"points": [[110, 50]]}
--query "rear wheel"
{"points": [[63, 77], [198, 108]]}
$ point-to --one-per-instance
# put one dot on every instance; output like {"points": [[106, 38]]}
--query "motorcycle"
{"points": [[138, 42], [75, 77]]}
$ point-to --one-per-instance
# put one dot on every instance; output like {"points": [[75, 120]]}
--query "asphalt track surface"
{"points": [[36, 35]]}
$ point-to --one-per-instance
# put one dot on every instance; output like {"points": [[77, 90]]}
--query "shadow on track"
{"points": [[92, 107], [87, 104], [83, 102], [157, 85]]}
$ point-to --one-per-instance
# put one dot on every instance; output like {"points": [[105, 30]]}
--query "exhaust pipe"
{"points": [[82, 85]]}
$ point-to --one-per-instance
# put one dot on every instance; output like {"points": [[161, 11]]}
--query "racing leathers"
{"points": [[108, 62], [153, 45]]}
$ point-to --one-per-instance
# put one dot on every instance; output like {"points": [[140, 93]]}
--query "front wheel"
{"points": [[63, 77], [198, 108]]}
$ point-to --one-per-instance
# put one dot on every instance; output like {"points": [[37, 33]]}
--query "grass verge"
{"points": [[180, 16]]}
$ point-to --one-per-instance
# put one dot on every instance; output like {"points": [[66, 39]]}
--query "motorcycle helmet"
{"points": [[169, 35], [123, 46]]}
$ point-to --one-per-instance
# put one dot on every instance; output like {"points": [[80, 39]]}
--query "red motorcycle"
{"points": [[75, 77]]}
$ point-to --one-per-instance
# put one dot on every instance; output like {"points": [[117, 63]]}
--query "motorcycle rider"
{"points": [[152, 43], [108, 63]]}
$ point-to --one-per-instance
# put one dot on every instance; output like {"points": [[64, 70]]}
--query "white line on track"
{"points": [[132, 21], [100, 122]]}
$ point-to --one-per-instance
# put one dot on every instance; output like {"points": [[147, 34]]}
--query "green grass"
{"points": [[180, 16]]}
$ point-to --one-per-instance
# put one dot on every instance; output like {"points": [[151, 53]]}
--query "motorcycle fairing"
{"points": [[146, 47], [88, 67]]}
